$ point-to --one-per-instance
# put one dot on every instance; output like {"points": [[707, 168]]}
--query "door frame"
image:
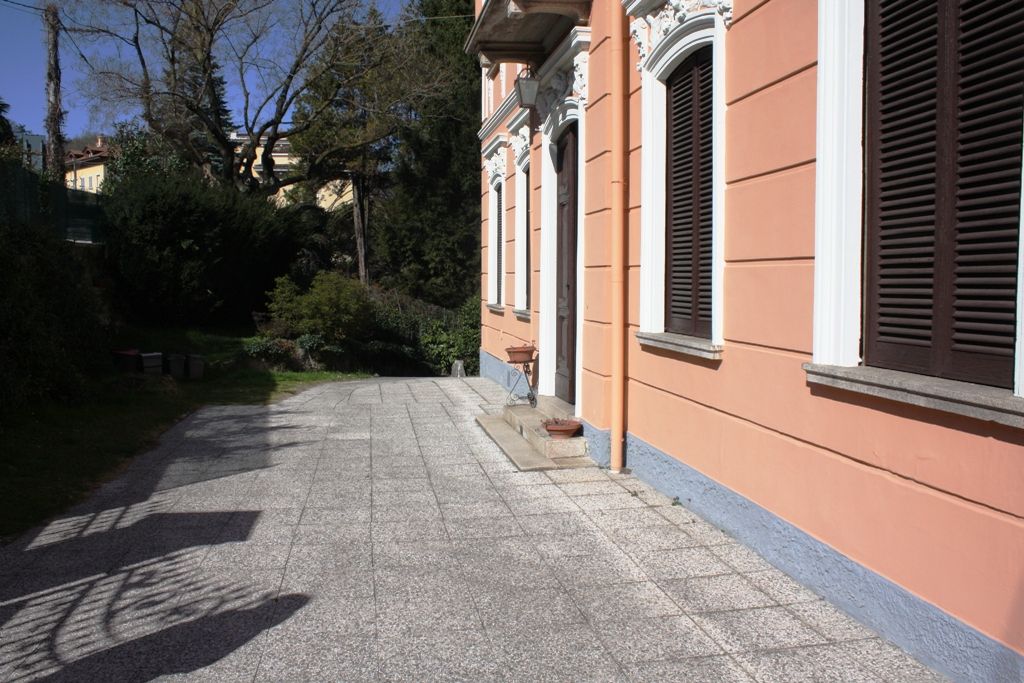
{"points": [[570, 110]]}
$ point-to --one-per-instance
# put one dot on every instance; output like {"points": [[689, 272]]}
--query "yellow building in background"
{"points": [[331, 197], [85, 169]]}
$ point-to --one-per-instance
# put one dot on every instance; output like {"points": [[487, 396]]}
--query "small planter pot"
{"points": [[559, 428], [521, 354]]}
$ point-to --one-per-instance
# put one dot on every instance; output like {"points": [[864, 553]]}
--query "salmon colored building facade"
{"points": [[895, 493]]}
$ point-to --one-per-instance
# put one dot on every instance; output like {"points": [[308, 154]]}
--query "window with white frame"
{"points": [[498, 192], [682, 179], [527, 230], [520, 144], [495, 158], [917, 256]]}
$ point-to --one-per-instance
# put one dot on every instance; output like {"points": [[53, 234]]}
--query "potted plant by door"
{"points": [[521, 354], [562, 428]]}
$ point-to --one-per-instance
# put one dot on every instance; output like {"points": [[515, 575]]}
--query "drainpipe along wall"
{"points": [[620, 223]]}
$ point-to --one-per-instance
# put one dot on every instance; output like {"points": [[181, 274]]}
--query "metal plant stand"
{"points": [[526, 367]]}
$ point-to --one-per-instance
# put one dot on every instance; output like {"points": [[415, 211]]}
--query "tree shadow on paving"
{"points": [[117, 588], [182, 648], [152, 537]]}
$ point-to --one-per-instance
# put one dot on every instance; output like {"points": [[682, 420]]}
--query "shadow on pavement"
{"points": [[182, 648]]}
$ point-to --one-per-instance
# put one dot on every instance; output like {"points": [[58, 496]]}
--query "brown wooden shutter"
{"points": [[499, 243], [944, 115], [688, 212]]}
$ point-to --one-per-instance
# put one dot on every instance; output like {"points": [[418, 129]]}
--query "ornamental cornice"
{"points": [[496, 165], [557, 89], [579, 75], [655, 20], [520, 143], [495, 157]]}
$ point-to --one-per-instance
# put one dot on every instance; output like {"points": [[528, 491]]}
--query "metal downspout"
{"points": [[620, 224]]}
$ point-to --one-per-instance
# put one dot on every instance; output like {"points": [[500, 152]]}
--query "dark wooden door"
{"points": [[565, 355]]}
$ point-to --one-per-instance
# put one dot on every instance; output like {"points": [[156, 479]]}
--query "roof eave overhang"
{"points": [[521, 31]]}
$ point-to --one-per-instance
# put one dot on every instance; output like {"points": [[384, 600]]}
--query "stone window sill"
{"points": [[496, 308], [521, 313], [681, 344], [961, 398]]}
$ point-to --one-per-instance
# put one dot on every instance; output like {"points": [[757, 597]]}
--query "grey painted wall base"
{"points": [[922, 629], [501, 372]]}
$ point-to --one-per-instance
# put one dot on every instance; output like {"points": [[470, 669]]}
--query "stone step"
{"points": [[528, 422], [512, 443], [552, 406]]}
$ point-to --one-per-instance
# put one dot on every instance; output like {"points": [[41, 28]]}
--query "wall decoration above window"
{"points": [[656, 19], [496, 164]]}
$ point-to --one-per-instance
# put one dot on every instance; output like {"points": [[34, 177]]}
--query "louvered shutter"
{"points": [[688, 211], [944, 119], [499, 244]]}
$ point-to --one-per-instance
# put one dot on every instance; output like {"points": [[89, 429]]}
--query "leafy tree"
{"points": [[426, 241], [370, 87], [6, 129], [195, 106], [138, 152], [146, 53]]}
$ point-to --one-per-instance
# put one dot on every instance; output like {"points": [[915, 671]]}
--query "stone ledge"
{"points": [[681, 343], [981, 402], [520, 313], [496, 308]]}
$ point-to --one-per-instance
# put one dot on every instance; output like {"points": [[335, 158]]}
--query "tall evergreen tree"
{"points": [[195, 108], [427, 238], [373, 84]]}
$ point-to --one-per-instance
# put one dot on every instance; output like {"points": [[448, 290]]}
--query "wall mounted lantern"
{"points": [[527, 87]]}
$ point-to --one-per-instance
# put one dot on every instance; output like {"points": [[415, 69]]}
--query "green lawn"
{"points": [[53, 454]]}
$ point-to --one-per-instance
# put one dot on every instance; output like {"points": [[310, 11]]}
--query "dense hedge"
{"points": [[187, 251], [340, 324], [50, 325]]}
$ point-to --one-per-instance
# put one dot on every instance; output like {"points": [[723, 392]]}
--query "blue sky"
{"points": [[23, 70], [23, 73]]}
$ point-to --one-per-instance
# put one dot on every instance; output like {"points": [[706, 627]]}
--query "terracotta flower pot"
{"points": [[559, 428], [521, 354]]}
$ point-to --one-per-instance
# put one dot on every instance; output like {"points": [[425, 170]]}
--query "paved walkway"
{"points": [[370, 531]]}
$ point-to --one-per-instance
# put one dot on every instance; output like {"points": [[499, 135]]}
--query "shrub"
{"points": [[184, 249], [273, 352], [338, 323], [400, 318], [50, 326], [335, 308], [311, 343], [442, 344]]}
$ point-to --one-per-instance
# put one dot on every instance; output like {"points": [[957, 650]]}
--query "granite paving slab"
{"points": [[370, 531]]}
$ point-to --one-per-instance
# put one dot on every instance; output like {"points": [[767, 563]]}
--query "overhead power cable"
{"points": [[22, 7]]}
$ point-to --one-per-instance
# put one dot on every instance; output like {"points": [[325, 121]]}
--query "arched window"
{"points": [[682, 256]]}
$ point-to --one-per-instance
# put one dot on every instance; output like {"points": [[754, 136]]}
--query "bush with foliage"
{"points": [[275, 353], [335, 308], [50, 326], [443, 344], [339, 323], [186, 250]]}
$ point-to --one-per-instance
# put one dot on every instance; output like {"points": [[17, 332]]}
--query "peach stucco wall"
{"points": [[931, 501]]}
